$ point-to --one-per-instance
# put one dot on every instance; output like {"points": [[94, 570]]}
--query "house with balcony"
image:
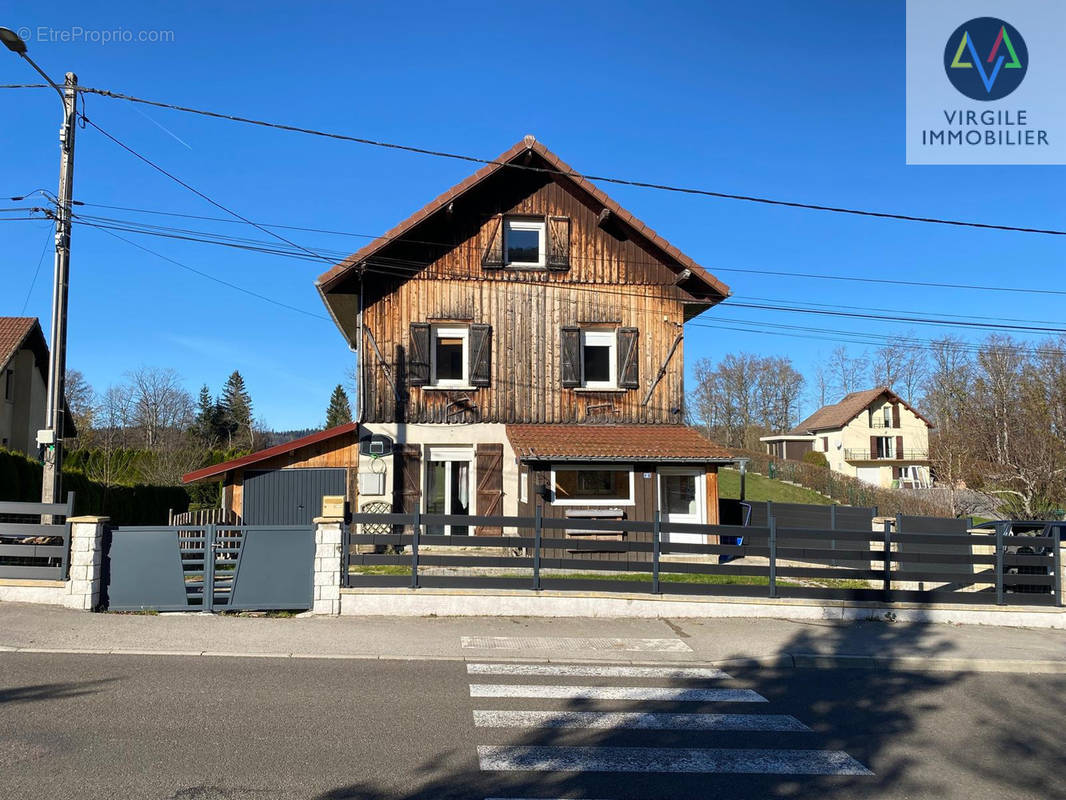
{"points": [[23, 383], [873, 435], [520, 342]]}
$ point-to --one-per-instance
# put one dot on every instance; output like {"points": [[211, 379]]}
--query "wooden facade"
{"points": [[609, 281]]}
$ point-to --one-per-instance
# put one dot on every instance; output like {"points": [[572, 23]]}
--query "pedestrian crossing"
{"points": [[543, 738]]}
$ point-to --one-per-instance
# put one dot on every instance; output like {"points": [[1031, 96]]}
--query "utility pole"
{"points": [[51, 437]]}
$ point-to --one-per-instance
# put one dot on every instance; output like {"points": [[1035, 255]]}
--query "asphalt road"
{"points": [[98, 726]]}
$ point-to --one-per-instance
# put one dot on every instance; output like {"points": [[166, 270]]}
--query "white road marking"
{"points": [[595, 671], [571, 643], [666, 759], [616, 693], [638, 721]]}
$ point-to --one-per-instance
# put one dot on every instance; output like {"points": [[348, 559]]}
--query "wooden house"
{"points": [[520, 340]]}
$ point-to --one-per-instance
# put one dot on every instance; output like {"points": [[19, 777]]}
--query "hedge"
{"points": [[20, 480]]}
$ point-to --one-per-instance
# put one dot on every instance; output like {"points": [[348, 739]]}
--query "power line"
{"points": [[601, 178], [208, 276], [604, 259], [402, 270], [36, 272]]}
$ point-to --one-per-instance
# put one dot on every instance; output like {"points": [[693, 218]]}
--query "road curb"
{"points": [[772, 661]]}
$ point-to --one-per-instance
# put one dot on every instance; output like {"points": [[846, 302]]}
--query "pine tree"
{"points": [[339, 411], [205, 427], [236, 408]]}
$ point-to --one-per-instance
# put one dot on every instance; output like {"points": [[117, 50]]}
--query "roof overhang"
{"points": [[789, 437]]}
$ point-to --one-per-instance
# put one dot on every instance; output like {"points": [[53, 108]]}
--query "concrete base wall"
{"points": [[445, 603], [51, 593]]}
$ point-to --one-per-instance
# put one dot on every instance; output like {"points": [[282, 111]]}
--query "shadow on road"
{"points": [[900, 724], [51, 691]]}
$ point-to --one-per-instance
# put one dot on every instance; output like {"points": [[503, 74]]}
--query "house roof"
{"points": [[592, 443], [674, 258], [14, 332], [841, 413], [270, 452]]}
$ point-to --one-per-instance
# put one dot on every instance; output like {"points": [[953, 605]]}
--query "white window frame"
{"points": [[450, 332], [599, 468], [886, 415], [601, 337], [450, 455], [890, 449], [542, 239], [700, 474]]}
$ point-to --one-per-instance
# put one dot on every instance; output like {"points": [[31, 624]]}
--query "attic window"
{"points": [[523, 243]]}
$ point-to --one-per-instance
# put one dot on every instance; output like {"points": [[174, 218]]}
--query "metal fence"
{"points": [[752, 561], [30, 549]]}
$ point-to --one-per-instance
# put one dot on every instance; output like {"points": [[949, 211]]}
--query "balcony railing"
{"points": [[904, 455], [880, 423]]}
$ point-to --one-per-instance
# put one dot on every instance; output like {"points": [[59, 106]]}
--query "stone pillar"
{"points": [[86, 560], [328, 561]]}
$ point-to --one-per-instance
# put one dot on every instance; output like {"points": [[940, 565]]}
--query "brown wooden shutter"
{"points": [[895, 415], [408, 494], [558, 244], [899, 447], [628, 358], [480, 354], [492, 233], [489, 486], [873, 447], [418, 355], [825, 444], [570, 355]]}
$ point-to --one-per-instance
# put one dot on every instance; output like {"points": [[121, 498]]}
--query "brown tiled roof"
{"points": [[13, 332], [329, 279], [262, 455], [662, 443], [840, 414]]}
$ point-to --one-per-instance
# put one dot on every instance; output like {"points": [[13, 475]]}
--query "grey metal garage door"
{"points": [[289, 496]]}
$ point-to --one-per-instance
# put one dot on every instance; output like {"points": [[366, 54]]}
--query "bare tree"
{"points": [[109, 461], [846, 373], [900, 365], [81, 401], [160, 405]]}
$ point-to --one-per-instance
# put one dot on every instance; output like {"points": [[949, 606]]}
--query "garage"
{"points": [[289, 496]]}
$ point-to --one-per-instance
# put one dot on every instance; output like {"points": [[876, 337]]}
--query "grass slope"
{"points": [[759, 487]]}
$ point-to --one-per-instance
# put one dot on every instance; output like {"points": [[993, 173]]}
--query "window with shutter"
{"points": [[524, 243], [570, 355], [492, 257], [480, 354], [628, 358], [418, 355], [558, 244]]}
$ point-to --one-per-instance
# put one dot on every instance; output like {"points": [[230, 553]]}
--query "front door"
{"points": [[683, 499], [448, 478]]}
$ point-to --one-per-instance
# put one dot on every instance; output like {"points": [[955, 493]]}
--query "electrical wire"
{"points": [[601, 178], [37, 271]]}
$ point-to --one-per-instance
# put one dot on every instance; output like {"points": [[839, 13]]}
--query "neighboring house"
{"points": [[520, 336], [873, 435], [23, 383]]}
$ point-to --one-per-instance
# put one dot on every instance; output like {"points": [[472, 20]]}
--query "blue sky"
{"points": [[780, 99]]}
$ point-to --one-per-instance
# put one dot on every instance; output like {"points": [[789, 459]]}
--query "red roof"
{"points": [[662, 443], [674, 257], [262, 455], [13, 332]]}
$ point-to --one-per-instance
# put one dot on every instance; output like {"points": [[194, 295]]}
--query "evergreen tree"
{"points": [[339, 411], [207, 423], [236, 416]]}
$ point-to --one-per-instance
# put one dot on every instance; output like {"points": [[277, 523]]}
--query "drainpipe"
{"points": [[359, 349], [742, 464]]}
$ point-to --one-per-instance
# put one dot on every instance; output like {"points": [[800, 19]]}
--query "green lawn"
{"points": [[759, 487]]}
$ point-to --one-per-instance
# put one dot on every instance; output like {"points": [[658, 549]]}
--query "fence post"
{"points": [[417, 527], [346, 552], [1056, 542], [999, 564], [887, 562], [655, 536], [209, 570], [833, 519], [773, 556], [537, 533]]}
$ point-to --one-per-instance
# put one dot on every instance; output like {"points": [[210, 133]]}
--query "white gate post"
{"points": [[86, 562], [327, 582]]}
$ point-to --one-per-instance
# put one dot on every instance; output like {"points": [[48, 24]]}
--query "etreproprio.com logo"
{"points": [[986, 58]]}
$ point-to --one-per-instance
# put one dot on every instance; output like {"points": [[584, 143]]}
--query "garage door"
{"points": [[289, 496]]}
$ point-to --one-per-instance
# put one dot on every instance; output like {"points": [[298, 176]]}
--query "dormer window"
{"points": [[523, 243]]}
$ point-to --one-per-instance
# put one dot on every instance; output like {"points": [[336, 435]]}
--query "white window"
{"points": [[599, 363], [450, 356], [886, 447], [888, 416], [523, 243], [448, 478], [593, 485]]}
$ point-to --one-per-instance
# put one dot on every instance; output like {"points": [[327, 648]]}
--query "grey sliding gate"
{"points": [[209, 568]]}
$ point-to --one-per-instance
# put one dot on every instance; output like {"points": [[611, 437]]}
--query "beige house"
{"points": [[23, 383], [873, 435]]}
